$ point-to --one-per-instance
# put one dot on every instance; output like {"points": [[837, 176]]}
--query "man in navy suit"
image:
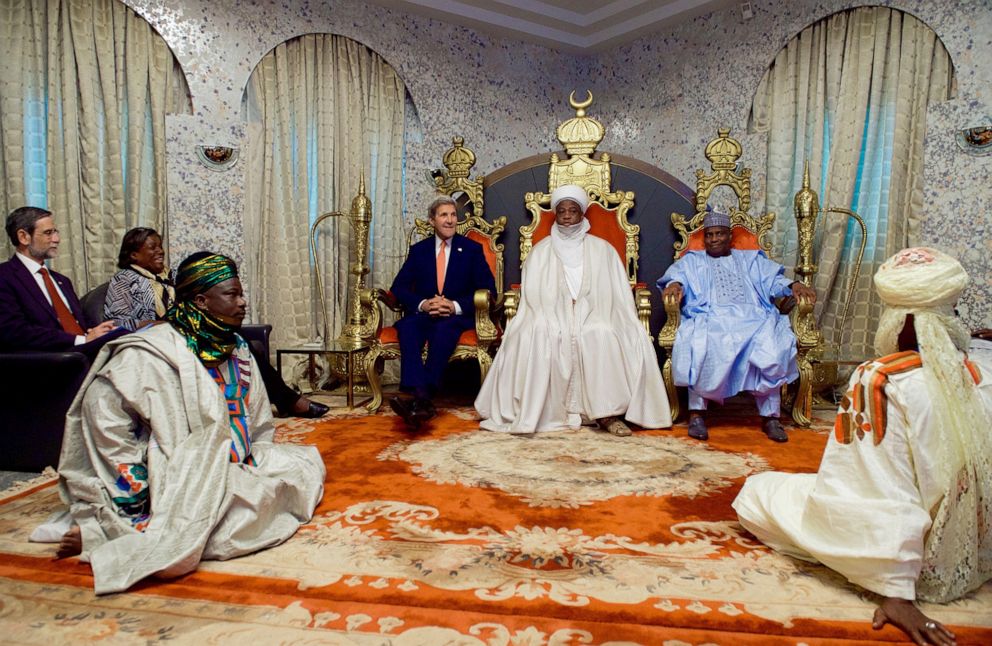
{"points": [[39, 309], [436, 286]]}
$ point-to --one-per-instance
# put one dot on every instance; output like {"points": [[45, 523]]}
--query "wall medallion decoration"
{"points": [[218, 158], [975, 141]]}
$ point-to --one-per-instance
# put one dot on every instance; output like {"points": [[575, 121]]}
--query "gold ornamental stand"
{"points": [[824, 360], [346, 354]]}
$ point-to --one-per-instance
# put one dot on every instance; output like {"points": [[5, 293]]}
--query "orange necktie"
{"points": [[66, 319], [440, 268]]}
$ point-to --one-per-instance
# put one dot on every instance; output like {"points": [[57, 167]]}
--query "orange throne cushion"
{"points": [[740, 238], [602, 224]]}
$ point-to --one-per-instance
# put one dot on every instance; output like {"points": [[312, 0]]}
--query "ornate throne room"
{"points": [[307, 140]]}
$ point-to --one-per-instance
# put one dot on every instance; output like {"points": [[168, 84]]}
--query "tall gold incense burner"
{"points": [[806, 205], [362, 320]]}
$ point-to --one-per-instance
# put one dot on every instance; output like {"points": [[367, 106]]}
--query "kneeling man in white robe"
{"points": [[576, 351], [902, 501], [168, 456]]}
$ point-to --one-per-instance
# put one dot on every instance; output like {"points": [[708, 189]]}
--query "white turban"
{"points": [[920, 277], [570, 192], [923, 282]]}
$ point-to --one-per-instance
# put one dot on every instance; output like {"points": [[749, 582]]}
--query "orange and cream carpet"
{"points": [[459, 536]]}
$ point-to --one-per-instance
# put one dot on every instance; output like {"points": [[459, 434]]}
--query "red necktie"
{"points": [[66, 319], [440, 268]]}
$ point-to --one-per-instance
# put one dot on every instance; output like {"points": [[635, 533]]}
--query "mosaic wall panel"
{"points": [[662, 97]]}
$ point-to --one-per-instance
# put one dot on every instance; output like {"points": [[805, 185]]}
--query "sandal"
{"points": [[615, 426]]}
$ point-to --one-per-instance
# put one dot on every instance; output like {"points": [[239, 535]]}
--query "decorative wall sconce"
{"points": [[975, 141], [218, 158]]}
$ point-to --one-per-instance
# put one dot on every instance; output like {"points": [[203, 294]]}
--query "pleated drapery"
{"points": [[84, 89], [850, 94], [323, 110]]}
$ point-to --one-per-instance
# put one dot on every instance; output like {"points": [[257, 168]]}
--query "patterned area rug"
{"points": [[458, 536]]}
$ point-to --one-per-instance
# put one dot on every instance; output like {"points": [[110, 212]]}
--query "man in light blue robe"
{"points": [[732, 338]]}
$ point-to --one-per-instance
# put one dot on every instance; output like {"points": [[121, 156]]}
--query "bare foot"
{"points": [[905, 616], [71, 543]]}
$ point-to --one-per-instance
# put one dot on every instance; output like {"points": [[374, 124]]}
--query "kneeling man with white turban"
{"points": [[903, 498], [576, 350]]}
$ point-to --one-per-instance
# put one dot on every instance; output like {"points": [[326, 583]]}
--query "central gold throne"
{"points": [[607, 212], [748, 232]]}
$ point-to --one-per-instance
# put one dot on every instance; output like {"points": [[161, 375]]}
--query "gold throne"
{"points": [[480, 342], [747, 232], [607, 212]]}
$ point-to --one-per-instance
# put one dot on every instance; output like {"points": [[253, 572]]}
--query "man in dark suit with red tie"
{"points": [[436, 286], [39, 309]]}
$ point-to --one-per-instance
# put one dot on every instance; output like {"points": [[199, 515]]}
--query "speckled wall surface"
{"points": [[657, 97], [681, 85]]}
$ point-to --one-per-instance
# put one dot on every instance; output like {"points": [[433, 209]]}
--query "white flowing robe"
{"points": [[867, 512], [560, 362], [148, 400]]}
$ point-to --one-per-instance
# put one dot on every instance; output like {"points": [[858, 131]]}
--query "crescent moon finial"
{"points": [[580, 106]]}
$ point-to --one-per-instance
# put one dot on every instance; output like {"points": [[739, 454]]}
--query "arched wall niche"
{"points": [[783, 43], [244, 81]]}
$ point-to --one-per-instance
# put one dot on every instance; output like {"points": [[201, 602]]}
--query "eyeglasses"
{"points": [[48, 233]]}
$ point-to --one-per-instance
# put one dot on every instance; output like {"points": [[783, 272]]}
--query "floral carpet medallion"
{"points": [[572, 468]]}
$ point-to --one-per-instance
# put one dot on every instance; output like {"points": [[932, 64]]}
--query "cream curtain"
{"points": [[323, 110], [850, 94], [103, 80]]}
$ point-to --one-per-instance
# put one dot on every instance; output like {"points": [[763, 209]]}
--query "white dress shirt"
{"points": [[447, 260]]}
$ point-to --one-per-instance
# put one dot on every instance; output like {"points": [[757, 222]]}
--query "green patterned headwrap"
{"points": [[209, 338]]}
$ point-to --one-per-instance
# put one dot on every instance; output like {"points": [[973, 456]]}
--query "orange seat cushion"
{"points": [[602, 224], [389, 335], [740, 238]]}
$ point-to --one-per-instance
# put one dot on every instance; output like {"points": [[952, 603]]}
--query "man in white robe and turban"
{"points": [[902, 501], [576, 351]]}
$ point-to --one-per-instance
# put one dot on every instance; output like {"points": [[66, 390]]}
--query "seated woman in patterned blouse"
{"points": [[142, 292]]}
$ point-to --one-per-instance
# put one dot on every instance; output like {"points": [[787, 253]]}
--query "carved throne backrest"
{"points": [[607, 212], [748, 231]]}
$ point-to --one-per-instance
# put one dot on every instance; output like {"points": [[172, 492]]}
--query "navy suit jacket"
{"points": [[27, 320], [467, 271]]}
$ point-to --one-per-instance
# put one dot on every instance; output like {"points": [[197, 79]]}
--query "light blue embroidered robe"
{"points": [[724, 347]]}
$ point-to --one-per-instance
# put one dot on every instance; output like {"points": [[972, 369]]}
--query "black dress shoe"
{"points": [[697, 429], [773, 429], [314, 410], [404, 409], [423, 410]]}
